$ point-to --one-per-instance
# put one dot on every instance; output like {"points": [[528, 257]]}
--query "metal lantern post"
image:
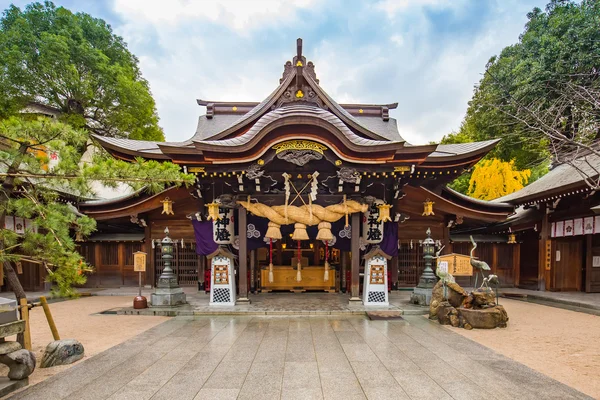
{"points": [[167, 293], [422, 293]]}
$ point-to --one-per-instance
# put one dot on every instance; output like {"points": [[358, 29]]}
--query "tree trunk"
{"points": [[9, 272]]}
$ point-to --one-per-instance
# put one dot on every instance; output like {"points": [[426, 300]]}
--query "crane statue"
{"points": [[444, 275], [477, 264]]}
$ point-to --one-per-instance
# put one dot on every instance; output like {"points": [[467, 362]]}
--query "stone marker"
{"points": [[62, 352], [21, 364]]}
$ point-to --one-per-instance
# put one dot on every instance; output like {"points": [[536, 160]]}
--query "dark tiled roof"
{"points": [[209, 127], [297, 110], [449, 150], [560, 178], [387, 129]]}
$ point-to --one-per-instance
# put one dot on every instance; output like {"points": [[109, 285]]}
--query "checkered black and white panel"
{"points": [[221, 295], [376, 297]]}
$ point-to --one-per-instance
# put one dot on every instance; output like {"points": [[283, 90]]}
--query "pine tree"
{"points": [[31, 188]]}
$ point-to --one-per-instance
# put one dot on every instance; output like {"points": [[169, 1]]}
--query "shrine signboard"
{"points": [[458, 264]]}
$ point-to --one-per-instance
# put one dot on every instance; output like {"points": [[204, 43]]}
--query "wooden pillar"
{"points": [[544, 250], [588, 263], [343, 270], [517, 264], [243, 255], [201, 268], [253, 271], [394, 267], [147, 248], [98, 262], [355, 261]]}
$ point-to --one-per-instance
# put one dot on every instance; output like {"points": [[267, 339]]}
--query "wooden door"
{"points": [[410, 264], [567, 260], [592, 274]]}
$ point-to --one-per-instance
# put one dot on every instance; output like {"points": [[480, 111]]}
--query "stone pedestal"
{"points": [[167, 293], [421, 296]]}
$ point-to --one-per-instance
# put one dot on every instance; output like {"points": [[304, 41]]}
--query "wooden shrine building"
{"points": [[300, 166], [557, 226]]}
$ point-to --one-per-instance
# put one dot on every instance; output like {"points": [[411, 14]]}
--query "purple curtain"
{"points": [[389, 244], [205, 244], [256, 237]]}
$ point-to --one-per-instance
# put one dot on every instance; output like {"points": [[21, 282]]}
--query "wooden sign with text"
{"points": [[458, 264], [139, 261]]}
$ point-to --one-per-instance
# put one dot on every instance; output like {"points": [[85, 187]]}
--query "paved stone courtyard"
{"points": [[277, 357]]}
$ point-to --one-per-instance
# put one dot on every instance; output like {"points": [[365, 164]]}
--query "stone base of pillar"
{"points": [[243, 300], [421, 296], [354, 299], [168, 297]]}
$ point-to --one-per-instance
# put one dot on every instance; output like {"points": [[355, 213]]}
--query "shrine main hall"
{"points": [[297, 191]]}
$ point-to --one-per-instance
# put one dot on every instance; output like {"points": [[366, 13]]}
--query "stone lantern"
{"points": [[422, 293], [167, 292]]}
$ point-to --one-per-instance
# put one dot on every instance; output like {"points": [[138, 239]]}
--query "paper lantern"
{"points": [[512, 238], [167, 206], [213, 211], [384, 213], [428, 208]]}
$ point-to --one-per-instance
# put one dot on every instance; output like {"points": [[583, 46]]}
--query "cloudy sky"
{"points": [[424, 54]]}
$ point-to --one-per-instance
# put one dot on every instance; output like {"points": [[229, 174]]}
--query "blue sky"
{"points": [[427, 55]]}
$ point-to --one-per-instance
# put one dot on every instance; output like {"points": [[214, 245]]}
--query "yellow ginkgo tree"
{"points": [[495, 178]]}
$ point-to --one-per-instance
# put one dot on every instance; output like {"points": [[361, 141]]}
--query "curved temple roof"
{"points": [[229, 127]]}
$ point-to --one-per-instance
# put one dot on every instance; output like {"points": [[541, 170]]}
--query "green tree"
{"points": [[30, 189], [73, 65], [540, 94]]}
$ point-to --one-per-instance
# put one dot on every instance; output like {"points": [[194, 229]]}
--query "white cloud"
{"points": [[397, 39], [236, 14], [393, 6], [235, 51]]}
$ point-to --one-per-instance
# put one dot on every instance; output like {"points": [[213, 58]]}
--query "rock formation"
{"points": [[62, 352], [475, 310]]}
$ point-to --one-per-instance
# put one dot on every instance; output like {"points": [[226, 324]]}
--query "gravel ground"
{"points": [[562, 344], [79, 319]]}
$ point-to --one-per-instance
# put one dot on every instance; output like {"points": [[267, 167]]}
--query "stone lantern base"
{"points": [[167, 293], [421, 296]]}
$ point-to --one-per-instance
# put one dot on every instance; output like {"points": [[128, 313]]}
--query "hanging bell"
{"points": [[79, 236], [428, 208]]}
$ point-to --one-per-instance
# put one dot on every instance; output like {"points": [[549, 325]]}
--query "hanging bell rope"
{"points": [[326, 274], [299, 272], [271, 279]]}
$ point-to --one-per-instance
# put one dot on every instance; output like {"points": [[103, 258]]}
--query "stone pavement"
{"points": [[283, 357], [284, 303]]}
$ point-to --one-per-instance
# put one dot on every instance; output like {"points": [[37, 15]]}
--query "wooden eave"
{"points": [[548, 195], [415, 196], [132, 205]]}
